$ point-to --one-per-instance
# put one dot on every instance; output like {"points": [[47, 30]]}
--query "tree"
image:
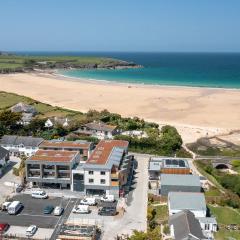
{"points": [[9, 120]]}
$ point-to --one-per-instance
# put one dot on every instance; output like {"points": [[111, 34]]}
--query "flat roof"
{"points": [[104, 149], [187, 201], [65, 144], [180, 180], [175, 163], [53, 156]]}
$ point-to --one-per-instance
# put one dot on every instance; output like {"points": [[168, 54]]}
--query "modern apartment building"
{"points": [[52, 168], [106, 171], [83, 147]]}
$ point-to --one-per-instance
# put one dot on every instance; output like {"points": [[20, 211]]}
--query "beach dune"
{"points": [[195, 111]]}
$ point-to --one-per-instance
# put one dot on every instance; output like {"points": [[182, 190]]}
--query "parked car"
{"points": [[4, 227], [108, 198], [19, 188], [48, 209], [81, 209], [89, 201], [5, 206], [39, 194], [31, 230], [14, 207], [58, 211], [107, 211]]}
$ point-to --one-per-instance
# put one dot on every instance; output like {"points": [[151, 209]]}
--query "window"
{"points": [[90, 180], [102, 173], [103, 181], [90, 172]]}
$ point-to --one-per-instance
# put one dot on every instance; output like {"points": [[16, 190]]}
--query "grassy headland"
{"points": [[21, 63]]}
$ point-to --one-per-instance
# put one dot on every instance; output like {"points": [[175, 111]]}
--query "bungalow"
{"points": [[28, 112], [184, 226], [192, 201], [99, 130], [20, 145]]}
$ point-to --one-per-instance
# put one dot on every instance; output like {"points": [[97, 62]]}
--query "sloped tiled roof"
{"points": [[17, 140], [186, 226]]}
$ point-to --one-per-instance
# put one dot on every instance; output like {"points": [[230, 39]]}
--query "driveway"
{"points": [[135, 216], [8, 179]]}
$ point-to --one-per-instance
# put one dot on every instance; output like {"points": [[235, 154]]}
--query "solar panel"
{"points": [[168, 162], [174, 162], [181, 163]]}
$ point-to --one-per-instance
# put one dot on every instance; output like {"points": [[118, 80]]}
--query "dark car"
{"points": [[19, 188], [107, 211], [48, 209], [3, 227]]}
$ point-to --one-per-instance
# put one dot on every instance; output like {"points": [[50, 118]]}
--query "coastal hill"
{"points": [[10, 63]]}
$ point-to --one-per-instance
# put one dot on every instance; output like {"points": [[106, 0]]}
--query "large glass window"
{"points": [[103, 181], [90, 172]]}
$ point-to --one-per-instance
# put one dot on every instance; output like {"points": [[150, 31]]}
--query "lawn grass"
{"points": [[161, 213], [225, 215], [212, 192], [225, 234]]}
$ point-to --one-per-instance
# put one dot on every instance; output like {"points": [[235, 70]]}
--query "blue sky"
{"points": [[124, 25]]}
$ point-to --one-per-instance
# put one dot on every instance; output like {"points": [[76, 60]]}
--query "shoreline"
{"points": [[194, 111], [89, 80]]}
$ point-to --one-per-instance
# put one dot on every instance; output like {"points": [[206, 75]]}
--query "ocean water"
{"points": [[221, 70]]}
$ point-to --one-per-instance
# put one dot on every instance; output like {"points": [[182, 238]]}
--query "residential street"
{"points": [[136, 211]]}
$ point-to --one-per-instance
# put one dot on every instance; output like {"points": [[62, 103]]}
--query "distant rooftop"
{"points": [[107, 151], [100, 126], [187, 200], [54, 156], [17, 140], [65, 144], [23, 107], [180, 180]]}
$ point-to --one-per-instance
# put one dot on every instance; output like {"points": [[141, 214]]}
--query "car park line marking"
{"points": [[32, 215]]}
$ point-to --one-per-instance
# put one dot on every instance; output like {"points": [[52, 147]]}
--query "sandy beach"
{"points": [[194, 111]]}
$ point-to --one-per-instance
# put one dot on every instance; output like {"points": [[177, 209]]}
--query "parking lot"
{"points": [[134, 217]]}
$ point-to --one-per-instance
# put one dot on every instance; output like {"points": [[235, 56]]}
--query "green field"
{"points": [[11, 62], [44, 110], [225, 215], [227, 235]]}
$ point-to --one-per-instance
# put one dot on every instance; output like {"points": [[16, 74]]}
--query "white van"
{"points": [[108, 198], [81, 209], [14, 207], [91, 201], [39, 194]]}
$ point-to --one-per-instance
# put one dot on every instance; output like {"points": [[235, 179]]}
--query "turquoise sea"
{"points": [[220, 70], [175, 69]]}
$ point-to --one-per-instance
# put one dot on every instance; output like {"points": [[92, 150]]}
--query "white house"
{"points": [[99, 130], [192, 201], [20, 145]]}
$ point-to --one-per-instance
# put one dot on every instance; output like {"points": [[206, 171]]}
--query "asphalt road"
{"points": [[32, 213]]}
